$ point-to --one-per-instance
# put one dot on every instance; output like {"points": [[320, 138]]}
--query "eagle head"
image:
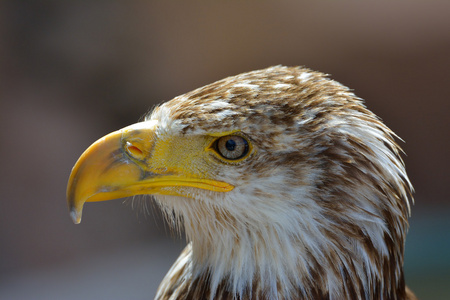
{"points": [[286, 185]]}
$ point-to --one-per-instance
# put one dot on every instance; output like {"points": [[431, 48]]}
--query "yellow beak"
{"points": [[121, 164]]}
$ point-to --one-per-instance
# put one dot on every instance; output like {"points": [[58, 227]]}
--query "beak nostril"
{"points": [[134, 151]]}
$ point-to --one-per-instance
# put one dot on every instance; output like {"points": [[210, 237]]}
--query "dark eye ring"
{"points": [[232, 147]]}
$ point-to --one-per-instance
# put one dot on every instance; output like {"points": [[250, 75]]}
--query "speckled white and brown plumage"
{"points": [[320, 209]]}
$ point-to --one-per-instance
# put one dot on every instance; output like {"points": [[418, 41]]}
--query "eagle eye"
{"points": [[232, 147]]}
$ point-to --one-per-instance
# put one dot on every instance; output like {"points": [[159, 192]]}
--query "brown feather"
{"points": [[318, 135]]}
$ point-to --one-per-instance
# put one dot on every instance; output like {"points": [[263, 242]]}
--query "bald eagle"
{"points": [[286, 185]]}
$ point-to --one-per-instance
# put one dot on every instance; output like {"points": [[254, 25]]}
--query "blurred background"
{"points": [[73, 71]]}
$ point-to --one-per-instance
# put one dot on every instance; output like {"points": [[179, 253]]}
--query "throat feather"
{"points": [[296, 257]]}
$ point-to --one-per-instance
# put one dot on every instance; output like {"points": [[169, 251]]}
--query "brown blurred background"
{"points": [[74, 71]]}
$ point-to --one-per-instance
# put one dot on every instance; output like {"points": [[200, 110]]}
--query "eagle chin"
{"points": [[286, 185]]}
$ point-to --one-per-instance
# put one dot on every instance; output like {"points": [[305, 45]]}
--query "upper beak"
{"points": [[120, 165]]}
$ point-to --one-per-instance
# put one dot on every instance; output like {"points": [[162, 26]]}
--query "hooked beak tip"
{"points": [[75, 215]]}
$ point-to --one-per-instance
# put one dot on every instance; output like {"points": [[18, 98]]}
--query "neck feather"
{"points": [[296, 257]]}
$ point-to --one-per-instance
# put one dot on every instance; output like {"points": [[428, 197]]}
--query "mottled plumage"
{"points": [[286, 186], [320, 209]]}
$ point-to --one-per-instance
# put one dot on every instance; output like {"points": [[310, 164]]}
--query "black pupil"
{"points": [[230, 145]]}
